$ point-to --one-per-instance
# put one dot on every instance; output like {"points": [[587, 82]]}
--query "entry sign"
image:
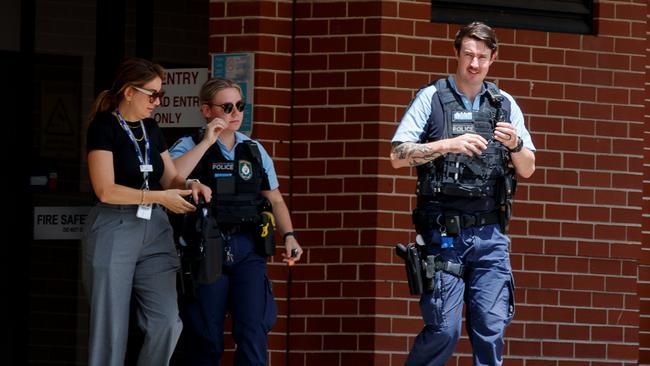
{"points": [[59, 222], [180, 107]]}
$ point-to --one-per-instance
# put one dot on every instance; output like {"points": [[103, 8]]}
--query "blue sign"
{"points": [[238, 67]]}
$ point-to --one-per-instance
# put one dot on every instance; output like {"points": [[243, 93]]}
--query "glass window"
{"points": [[568, 16]]}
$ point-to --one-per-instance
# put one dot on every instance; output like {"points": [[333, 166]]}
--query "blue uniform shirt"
{"points": [[185, 144], [415, 119]]}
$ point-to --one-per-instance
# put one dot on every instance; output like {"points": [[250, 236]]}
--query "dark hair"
{"points": [[133, 71], [211, 87], [479, 31]]}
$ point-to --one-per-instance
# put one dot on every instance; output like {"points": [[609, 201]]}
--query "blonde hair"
{"points": [[211, 87]]}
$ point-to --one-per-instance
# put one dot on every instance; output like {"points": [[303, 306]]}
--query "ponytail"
{"points": [[105, 101], [132, 72]]}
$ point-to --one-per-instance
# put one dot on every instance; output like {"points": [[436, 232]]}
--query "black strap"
{"points": [[445, 93], [455, 269], [255, 151], [433, 263], [468, 220], [493, 94]]}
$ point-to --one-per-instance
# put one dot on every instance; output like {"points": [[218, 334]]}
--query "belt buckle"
{"points": [[454, 268]]}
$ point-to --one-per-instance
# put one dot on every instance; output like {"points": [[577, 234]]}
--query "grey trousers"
{"points": [[122, 253]]}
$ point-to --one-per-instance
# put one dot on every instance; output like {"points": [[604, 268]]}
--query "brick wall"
{"points": [[264, 27], [644, 262], [576, 233]]}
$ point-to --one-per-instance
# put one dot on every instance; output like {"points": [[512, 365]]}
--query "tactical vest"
{"points": [[459, 179], [236, 184]]}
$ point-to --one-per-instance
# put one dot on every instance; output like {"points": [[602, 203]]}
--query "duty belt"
{"points": [[454, 222], [231, 229]]}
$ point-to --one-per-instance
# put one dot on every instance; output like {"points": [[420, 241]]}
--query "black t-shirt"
{"points": [[106, 133]]}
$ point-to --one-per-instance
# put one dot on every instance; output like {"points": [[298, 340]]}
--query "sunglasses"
{"points": [[152, 94], [227, 107]]}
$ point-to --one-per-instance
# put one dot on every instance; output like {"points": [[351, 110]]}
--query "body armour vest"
{"points": [[470, 183], [236, 184]]}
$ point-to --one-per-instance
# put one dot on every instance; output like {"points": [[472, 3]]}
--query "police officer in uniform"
{"points": [[468, 142], [245, 193]]}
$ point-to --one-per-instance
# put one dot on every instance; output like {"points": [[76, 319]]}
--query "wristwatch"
{"points": [[520, 145], [287, 234], [188, 182]]}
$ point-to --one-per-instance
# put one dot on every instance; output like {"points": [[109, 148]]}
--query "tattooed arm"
{"points": [[412, 154], [405, 154]]}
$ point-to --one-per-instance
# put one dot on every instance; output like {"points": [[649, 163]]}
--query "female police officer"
{"points": [[243, 180]]}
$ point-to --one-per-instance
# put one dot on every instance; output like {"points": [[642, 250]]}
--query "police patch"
{"points": [[223, 166], [461, 128], [245, 169], [462, 116], [223, 169]]}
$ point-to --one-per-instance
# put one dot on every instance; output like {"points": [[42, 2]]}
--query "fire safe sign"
{"points": [[59, 222]]}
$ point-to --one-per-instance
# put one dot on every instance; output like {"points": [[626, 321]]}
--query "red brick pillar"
{"points": [[577, 222]]}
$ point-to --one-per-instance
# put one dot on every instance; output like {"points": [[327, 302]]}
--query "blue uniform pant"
{"points": [[487, 290], [244, 291]]}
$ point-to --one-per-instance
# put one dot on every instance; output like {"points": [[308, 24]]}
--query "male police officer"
{"points": [[467, 139]]}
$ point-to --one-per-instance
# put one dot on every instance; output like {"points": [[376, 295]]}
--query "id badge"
{"points": [[146, 168], [144, 212]]}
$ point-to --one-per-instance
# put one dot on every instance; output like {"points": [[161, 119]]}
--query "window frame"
{"points": [[568, 16]]}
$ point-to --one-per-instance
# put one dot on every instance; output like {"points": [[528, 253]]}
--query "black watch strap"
{"points": [[288, 233], [520, 145]]}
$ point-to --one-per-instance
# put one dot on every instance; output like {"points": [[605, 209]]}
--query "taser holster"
{"points": [[265, 234], [413, 266], [200, 248]]}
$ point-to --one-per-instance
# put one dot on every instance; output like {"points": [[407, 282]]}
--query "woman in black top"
{"points": [[127, 243]]}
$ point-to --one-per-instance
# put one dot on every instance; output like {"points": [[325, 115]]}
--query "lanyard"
{"points": [[145, 167]]}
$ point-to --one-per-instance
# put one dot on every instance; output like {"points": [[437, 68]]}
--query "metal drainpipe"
{"points": [[291, 110]]}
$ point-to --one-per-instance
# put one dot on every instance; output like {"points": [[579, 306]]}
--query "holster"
{"points": [[200, 249], [413, 267], [210, 267], [265, 234], [421, 268], [423, 220], [186, 284]]}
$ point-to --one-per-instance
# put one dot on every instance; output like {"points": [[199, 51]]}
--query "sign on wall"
{"points": [[181, 107], [59, 222], [238, 67]]}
